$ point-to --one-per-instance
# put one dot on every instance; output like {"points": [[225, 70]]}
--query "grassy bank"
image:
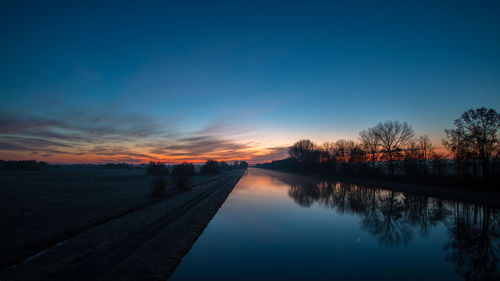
{"points": [[144, 245], [41, 208]]}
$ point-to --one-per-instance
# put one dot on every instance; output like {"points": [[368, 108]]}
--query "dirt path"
{"points": [[144, 245]]}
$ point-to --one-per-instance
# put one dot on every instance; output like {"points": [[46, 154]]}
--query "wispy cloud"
{"points": [[111, 136]]}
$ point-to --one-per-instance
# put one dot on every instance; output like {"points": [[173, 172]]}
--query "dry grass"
{"points": [[41, 208]]}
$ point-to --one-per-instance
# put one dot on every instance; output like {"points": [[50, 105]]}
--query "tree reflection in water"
{"points": [[474, 242], [394, 218]]}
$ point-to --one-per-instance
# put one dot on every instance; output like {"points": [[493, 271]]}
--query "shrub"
{"points": [[29, 165], [158, 187], [157, 168], [111, 166], [184, 169], [211, 167]]}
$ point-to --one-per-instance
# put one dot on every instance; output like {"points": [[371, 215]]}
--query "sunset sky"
{"points": [[187, 81]]}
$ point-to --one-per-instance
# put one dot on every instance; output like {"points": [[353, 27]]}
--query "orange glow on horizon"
{"points": [[258, 152]]}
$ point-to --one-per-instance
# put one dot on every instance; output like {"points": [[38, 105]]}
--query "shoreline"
{"points": [[147, 244], [488, 198]]}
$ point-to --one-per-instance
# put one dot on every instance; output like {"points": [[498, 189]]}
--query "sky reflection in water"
{"points": [[280, 226]]}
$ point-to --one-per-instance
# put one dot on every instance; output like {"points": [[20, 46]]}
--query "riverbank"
{"points": [[41, 208], [483, 197], [144, 245]]}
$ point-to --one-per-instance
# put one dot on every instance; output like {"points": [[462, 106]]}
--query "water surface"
{"points": [[280, 226]]}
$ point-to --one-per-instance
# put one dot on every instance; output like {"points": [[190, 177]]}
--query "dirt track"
{"points": [[144, 245]]}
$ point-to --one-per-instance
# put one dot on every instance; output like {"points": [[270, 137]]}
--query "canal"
{"points": [[281, 226]]}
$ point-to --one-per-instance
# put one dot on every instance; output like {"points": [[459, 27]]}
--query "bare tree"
{"points": [[477, 130], [357, 154], [393, 136], [329, 147], [344, 148], [371, 143], [425, 152], [329, 150], [459, 144], [425, 148], [301, 150]]}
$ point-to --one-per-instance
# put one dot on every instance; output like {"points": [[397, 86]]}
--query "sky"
{"points": [[173, 81]]}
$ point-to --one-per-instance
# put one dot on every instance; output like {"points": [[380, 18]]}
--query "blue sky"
{"points": [[268, 73]]}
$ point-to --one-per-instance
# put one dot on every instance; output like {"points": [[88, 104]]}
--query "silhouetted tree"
{"points": [[117, 166], [184, 169], [243, 165], [157, 168], [301, 150], [370, 141], [474, 144], [475, 136], [393, 135], [26, 165], [224, 166], [438, 165], [344, 148], [425, 152], [183, 173], [329, 157], [211, 167]]}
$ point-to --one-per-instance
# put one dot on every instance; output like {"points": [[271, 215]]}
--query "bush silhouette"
{"points": [[184, 169], [157, 168], [158, 187], [211, 167]]}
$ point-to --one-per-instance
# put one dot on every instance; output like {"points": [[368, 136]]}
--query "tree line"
{"points": [[182, 173], [24, 165], [392, 150], [211, 167]]}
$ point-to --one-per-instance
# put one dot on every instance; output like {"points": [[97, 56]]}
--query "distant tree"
{"points": [[157, 168], [438, 165], [26, 165], [330, 149], [243, 165], [458, 143], [224, 166], [211, 167], [328, 157], [344, 148], [116, 166], [357, 154], [425, 152], [301, 150], [393, 136], [475, 134], [357, 159], [411, 159], [184, 169], [370, 142], [182, 174]]}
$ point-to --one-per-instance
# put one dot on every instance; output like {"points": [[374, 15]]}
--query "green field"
{"points": [[41, 208]]}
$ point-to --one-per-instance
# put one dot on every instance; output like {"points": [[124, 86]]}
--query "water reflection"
{"points": [[474, 242], [281, 226], [395, 218]]}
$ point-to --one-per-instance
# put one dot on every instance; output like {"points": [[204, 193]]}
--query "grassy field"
{"points": [[41, 208], [146, 244]]}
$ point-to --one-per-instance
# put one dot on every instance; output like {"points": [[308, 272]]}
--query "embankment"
{"points": [[145, 245]]}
